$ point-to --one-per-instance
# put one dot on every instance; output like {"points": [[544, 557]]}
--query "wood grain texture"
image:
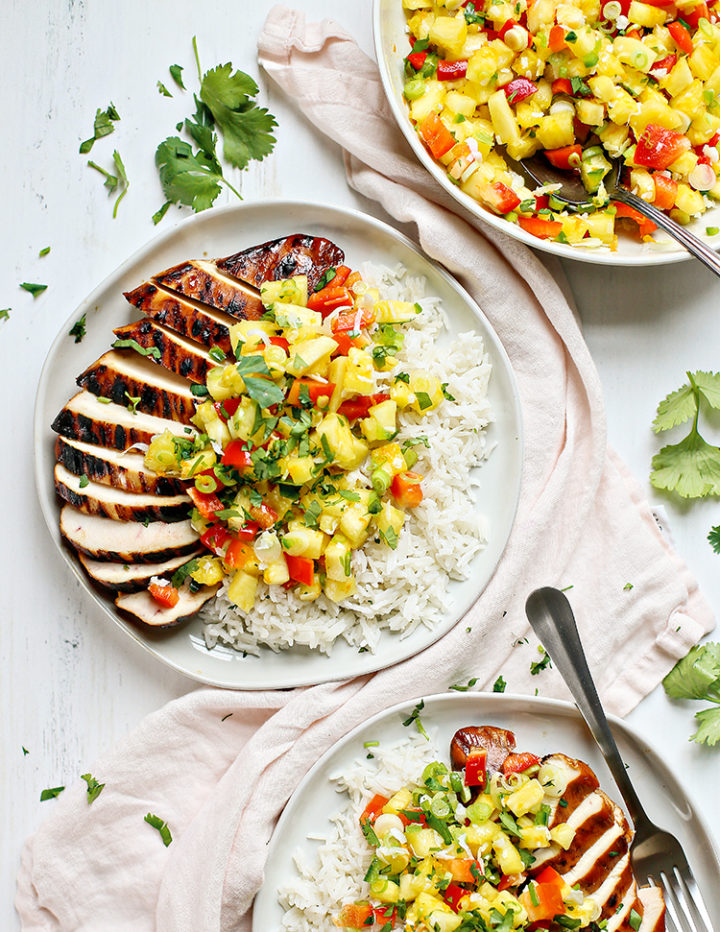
{"points": [[72, 684]]}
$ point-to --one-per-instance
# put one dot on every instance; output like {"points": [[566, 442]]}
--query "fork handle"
{"points": [[691, 242], [552, 620]]}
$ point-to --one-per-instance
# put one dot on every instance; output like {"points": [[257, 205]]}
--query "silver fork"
{"points": [[656, 855]]}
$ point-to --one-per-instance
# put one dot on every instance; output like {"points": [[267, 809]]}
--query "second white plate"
{"points": [[219, 233]]}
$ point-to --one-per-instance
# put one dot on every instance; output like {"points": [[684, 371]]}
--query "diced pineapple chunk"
{"points": [[242, 589], [535, 836], [508, 857], [427, 390], [556, 130], [308, 354], [689, 200], [347, 450], [337, 590], [702, 62], [432, 101], [460, 103], [389, 523], [525, 799], [248, 331], [590, 112], [504, 122], [642, 14], [301, 541], [358, 373], [448, 33], [394, 312], [563, 835]]}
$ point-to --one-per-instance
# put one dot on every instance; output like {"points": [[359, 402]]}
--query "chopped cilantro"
{"points": [[160, 213], [163, 90], [44, 251], [133, 344], [84, 481], [33, 288], [78, 329], [423, 400], [51, 793], [463, 689], [326, 277], [541, 664], [161, 826], [499, 685], [176, 74], [103, 126], [415, 717], [94, 789]]}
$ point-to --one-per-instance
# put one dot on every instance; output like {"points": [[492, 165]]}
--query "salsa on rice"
{"points": [[286, 427]]}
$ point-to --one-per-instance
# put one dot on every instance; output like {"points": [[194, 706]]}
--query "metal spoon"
{"points": [[573, 194]]}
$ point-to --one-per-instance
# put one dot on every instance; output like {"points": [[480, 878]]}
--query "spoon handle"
{"points": [[691, 242], [552, 620]]}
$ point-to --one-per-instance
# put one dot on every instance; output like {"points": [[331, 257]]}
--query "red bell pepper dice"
{"points": [[374, 807], [499, 198], [556, 39], [476, 767], [215, 538], [516, 763], [235, 454], [566, 158], [540, 227], [519, 89], [360, 406], [453, 894], [281, 342], [329, 299], [452, 70], [264, 515], [562, 86], [207, 505], [663, 66], [436, 136], [301, 569], [353, 320], [623, 212], [227, 408], [693, 17], [665, 191], [659, 147], [681, 37], [166, 596], [238, 553], [315, 389], [417, 59]]}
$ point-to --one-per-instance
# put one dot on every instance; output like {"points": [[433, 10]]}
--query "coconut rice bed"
{"points": [[397, 590], [334, 875]]}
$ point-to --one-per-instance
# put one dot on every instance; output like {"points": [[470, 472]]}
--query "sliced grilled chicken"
{"points": [[126, 541], [111, 467], [86, 419], [121, 375], [177, 353], [653, 910], [205, 282], [129, 577], [142, 607], [96, 499], [184, 315], [299, 254]]}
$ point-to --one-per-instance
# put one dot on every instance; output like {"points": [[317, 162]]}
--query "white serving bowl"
{"points": [[391, 45]]}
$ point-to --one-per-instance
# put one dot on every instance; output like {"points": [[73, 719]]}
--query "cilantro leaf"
{"points": [[176, 74], [33, 288], [678, 407], [541, 664], [78, 329], [161, 826], [51, 793], [103, 126], [691, 468], [44, 251], [265, 392], [5, 313], [709, 726], [94, 789], [160, 213], [708, 384], [187, 178], [696, 676], [499, 685], [163, 90], [246, 128], [714, 538]]}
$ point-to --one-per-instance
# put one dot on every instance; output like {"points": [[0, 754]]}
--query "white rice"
{"points": [[397, 590], [334, 876]]}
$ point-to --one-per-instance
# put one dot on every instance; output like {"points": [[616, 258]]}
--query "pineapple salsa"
{"points": [[454, 851], [296, 465], [577, 80]]}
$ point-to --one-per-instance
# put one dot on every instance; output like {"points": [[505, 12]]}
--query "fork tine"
{"points": [[691, 892], [674, 908]]}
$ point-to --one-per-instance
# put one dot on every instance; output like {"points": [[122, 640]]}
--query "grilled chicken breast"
{"points": [[184, 315], [174, 352], [129, 577], [125, 471], [205, 282], [126, 541], [96, 499], [126, 377], [299, 254], [86, 419], [142, 607]]}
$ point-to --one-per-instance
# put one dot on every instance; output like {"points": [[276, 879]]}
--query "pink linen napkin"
{"points": [[582, 520]]}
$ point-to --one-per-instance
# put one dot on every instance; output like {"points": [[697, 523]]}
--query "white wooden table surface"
{"points": [[70, 683]]}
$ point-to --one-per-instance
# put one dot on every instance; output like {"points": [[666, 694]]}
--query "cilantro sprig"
{"points": [[691, 468], [697, 677], [103, 126], [226, 103]]}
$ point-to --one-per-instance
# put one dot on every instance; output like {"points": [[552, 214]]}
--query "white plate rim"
{"points": [[267, 910], [283, 207], [664, 255]]}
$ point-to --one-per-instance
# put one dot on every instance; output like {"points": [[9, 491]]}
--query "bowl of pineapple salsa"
{"points": [[578, 82]]}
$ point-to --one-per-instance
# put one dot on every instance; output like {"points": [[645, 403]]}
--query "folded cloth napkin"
{"points": [[582, 520]]}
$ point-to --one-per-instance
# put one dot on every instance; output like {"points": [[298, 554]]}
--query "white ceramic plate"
{"points": [[542, 726], [217, 233], [391, 46]]}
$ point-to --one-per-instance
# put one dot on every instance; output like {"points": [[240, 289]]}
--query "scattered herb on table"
{"points": [[103, 126], [226, 716], [463, 689], [499, 685], [51, 793], [161, 826], [94, 789], [33, 288], [697, 676], [113, 182], [627, 587], [541, 664], [44, 251], [24, 750], [176, 74], [691, 467], [415, 717], [5, 313], [163, 90], [78, 329]]}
